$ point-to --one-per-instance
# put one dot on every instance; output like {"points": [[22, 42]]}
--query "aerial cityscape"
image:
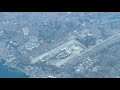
{"points": [[59, 45]]}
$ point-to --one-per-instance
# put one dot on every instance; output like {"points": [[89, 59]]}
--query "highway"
{"points": [[93, 50], [49, 54], [76, 58]]}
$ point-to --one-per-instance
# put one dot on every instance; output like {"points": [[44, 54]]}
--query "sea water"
{"points": [[7, 72]]}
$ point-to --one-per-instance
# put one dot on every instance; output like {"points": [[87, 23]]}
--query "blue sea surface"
{"points": [[60, 44], [7, 72]]}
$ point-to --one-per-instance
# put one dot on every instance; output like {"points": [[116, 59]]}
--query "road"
{"points": [[95, 49]]}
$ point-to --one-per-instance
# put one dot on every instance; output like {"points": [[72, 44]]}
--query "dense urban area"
{"points": [[60, 44]]}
